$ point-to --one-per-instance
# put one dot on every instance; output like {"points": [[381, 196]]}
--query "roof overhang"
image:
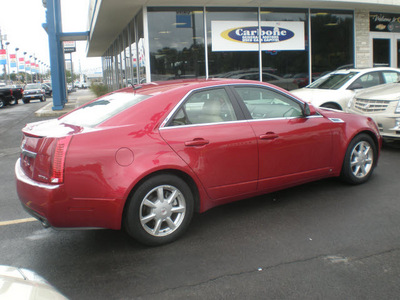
{"points": [[109, 17]]}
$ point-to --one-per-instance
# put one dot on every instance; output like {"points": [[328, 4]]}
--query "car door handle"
{"points": [[197, 142], [269, 136]]}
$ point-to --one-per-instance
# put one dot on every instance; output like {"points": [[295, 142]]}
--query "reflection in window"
{"points": [[211, 106], [267, 104], [228, 64], [332, 36], [290, 66], [176, 43]]}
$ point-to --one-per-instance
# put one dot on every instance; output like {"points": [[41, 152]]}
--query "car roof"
{"points": [[155, 88], [365, 70]]}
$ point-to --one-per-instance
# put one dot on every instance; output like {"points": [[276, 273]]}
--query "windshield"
{"points": [[332, 81], [32, 87], [102, 109]]}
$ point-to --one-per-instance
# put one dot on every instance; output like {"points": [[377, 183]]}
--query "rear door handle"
{"points": [[197, 142], [269, 136]]}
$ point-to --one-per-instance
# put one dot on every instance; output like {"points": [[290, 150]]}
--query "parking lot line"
{"points": [[5, 223]]}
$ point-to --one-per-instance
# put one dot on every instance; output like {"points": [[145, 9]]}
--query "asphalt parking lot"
{"points": [[324, 240]]}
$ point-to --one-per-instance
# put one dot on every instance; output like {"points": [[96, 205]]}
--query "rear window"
{"points": [[102, 109]]}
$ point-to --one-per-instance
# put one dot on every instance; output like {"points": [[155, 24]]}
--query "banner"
{"points": [[243, 36], [27, 66], [3, 57], [13, 61], [33, 71], [21, 64]]}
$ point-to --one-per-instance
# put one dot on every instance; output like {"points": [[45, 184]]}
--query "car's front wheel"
{"points": [[360, 160], [160, 210]]}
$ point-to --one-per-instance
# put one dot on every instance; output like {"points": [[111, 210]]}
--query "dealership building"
{"points": [[150, 40]]}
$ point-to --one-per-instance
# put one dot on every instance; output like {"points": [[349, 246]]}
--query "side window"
{"points": [[266, 104], [211, 106], [390, 77], [367, 80]]}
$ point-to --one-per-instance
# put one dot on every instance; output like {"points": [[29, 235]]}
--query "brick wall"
{"points": [[362, 41]]}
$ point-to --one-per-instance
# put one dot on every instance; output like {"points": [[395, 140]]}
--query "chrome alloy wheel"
{"points": [[162, 210], [361, 159]]}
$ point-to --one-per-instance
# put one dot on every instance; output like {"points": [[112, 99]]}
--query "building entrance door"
{"points": [[385, 48]]}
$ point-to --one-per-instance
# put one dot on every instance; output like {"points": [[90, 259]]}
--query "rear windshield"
{"points": [[33, 87], [332, 81], [102, 109]]}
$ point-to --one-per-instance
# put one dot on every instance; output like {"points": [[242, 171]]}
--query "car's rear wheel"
{"points": [[2, 103], [160, 210], [13, 101], [26, 101], [43, 99], [360, 160]]}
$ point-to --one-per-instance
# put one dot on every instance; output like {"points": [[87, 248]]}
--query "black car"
{"points": [[47, 89], [34, 91]]}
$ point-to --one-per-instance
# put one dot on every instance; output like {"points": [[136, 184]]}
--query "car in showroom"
{"points": [[381, 103], [33, 91], [335, 89], [146, 157]]}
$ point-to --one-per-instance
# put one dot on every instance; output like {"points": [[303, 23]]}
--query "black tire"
{"points": [[331, 105], [43, 98], [2, 103], [154, 222], [26, 101], [360, 160], [13, 101]]}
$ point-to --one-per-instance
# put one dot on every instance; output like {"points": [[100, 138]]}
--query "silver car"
{"points": [[382, 104]]}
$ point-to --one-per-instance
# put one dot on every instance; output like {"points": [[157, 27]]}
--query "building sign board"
{"points": [[383, 22], [244, 36]]}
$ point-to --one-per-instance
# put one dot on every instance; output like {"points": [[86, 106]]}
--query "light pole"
{"points": [[30, 67], [25, 67], [8, 61], [16, 58]]}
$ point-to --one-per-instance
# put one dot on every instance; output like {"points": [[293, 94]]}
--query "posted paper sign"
{"points": [[244, 36]]}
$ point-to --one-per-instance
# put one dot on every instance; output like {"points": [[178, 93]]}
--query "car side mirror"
{"points": [[309, 110], [355, 86]]}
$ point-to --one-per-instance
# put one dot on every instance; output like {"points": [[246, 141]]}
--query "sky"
{"points": [[21, 21]]}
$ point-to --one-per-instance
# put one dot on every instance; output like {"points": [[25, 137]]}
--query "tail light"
{"points": [[58, 161]]}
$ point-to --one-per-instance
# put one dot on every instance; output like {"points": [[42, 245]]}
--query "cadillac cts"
{"points": [[145, 158]]}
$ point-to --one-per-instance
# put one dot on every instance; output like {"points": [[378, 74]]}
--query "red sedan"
{"points": [[145, 158]]}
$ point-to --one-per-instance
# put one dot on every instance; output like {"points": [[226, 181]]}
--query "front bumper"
{"points": [[388, 124]]}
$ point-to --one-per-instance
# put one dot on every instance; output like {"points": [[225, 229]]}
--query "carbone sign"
{"points": [[250, 34], [228, 36]]}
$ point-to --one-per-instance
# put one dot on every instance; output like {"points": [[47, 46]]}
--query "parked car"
{"points": [[144, 158], [381, 103], [9, 95], [47, 89], [287, 84], [33, 91], [24, 284], [335, 89]]}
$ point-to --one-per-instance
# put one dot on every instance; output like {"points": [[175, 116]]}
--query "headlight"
{"points": [[397, 110], [350, 102]]}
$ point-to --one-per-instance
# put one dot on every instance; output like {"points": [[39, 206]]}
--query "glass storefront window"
{"points": [[176, 41], [332, 35], [286, 68], [230, 63]]}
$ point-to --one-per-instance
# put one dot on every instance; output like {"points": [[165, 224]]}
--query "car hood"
{"points": [[318, 97], [386, 92]]}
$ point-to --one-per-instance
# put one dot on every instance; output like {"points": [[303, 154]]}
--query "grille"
{"points": [[367, 105]]}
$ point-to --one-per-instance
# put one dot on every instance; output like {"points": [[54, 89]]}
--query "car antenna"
{"points": [[135, 87]]}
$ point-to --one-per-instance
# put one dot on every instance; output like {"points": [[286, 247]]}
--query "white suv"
{"points": [[382, 104], [335, 89]]}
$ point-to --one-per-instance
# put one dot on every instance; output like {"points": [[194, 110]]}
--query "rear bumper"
{"points": [[53, 206]]}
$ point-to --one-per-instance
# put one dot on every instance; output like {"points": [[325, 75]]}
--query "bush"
{"points": [[99, 89]]}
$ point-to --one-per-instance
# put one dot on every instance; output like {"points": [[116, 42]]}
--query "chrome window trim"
{"points": [[178, 106]]}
